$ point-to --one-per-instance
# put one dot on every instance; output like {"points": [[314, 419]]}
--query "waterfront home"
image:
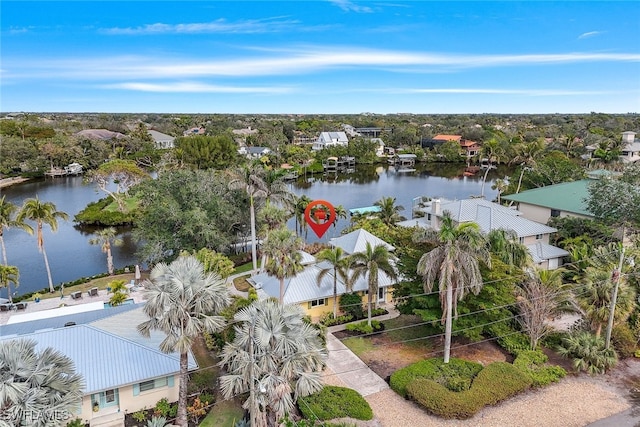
{"points": [[317, 300], [492, 216], [630, 150], [330, 139], [123, 371], [162, 140], [567, 199]]}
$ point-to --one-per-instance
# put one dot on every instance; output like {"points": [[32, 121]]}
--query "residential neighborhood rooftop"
{"points": [[567, 196]]}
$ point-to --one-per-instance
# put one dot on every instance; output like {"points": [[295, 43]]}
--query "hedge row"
{"points": [[532, 363], [335, 402], [496, 382], [457, 375]]}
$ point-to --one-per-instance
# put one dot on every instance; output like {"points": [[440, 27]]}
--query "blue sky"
{"points": [[320, 56]]}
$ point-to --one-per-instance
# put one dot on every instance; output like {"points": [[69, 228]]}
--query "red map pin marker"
{"points": [[320, 214]]}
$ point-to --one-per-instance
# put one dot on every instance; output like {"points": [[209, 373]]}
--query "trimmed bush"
{"points": [[533, 363], [335, 402], [508, 338], [497, 382], [364, 328], [456, 375]]}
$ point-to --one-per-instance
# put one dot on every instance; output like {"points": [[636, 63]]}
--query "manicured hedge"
{"points": [[496, 382], [335, 402], [456, 375], [533, 363]]}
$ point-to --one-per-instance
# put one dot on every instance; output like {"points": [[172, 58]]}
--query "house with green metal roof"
{"points": [[552, 201]]}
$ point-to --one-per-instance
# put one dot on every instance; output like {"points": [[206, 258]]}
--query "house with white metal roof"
{"points": [[330, 139], [303, 289], [123, 371], [492, 216], [162, 140]]}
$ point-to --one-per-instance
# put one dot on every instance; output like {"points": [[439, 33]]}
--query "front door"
{"points": [[381, 294], [105, 399]]}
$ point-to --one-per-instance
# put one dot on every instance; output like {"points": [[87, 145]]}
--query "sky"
{"points": [[320, 57]]}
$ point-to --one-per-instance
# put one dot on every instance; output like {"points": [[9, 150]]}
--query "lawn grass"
{"points": [[225, 413], [408, 329], [358, 345], [131, 204], [245, 268]]}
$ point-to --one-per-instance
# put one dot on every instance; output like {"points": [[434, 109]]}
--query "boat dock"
{"points": [[72, 169], [339, 164]]}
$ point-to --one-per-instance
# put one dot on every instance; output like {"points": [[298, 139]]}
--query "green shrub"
{"points": [[588, 352], [202, 381], [140, 415], [624, 340], [533, 363], [328, 320], [454, 375], [335, 402], [164, 408], [379, 311], [508, 338], [364, 328], [351, 304], [96, 213], [76, 423], [496, 382]]}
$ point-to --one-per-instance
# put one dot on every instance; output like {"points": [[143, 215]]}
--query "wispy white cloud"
{"points": [[195, 87], [490, 91], [292, 62], [349, 6], [252, 26], [590, 34]]}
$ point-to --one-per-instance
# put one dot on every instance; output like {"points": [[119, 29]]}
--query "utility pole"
{"points": [[615, 278]]}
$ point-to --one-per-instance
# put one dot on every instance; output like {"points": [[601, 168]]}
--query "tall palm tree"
{"points": [[274, 354], [455, 263], [494, 153], [283, 255], [368, 264], [527, 156], [42, 213], [33, 382], [106, 238], [9, 274], [300, 204], [182, 301], [250, 179], [389, 212], [339, 267], [341, 213], [7, 212], [272, 218]]}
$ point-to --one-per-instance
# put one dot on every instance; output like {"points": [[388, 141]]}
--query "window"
{"points": [[555, 213], [110, 396], [428, 217], [152, 384], [521, 239], [317, 302], [538, 236]]}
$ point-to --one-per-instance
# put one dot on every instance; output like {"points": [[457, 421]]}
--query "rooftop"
{"points": [[567, 197]]}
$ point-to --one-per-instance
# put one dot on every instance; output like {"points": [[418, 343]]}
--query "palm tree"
{"points": [[32, 382], [504, 244], [339, 268], [368, 264], [7, 212], [501, 185], [283, 256], [527, 155], [9, 274], [494, 152], [105, 238], [455, 263], [250, 179], [341, 212], [299, 207], [42, 213], [389, 212], [182, 301], [274, 354], [272, 218]]}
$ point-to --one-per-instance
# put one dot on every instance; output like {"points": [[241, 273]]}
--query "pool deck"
{"points": [[56, 306]]}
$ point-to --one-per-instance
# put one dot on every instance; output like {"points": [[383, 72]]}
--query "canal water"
{"points": [[71, 256]]}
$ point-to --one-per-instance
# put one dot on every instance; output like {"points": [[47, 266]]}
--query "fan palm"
{"points": [[282, 249], [455, 263], [42, 213], [276, 356], [7, 212], [339, 267], [36, 387], [368, 264], [182, 301], [105, 238], [504, 244]]}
